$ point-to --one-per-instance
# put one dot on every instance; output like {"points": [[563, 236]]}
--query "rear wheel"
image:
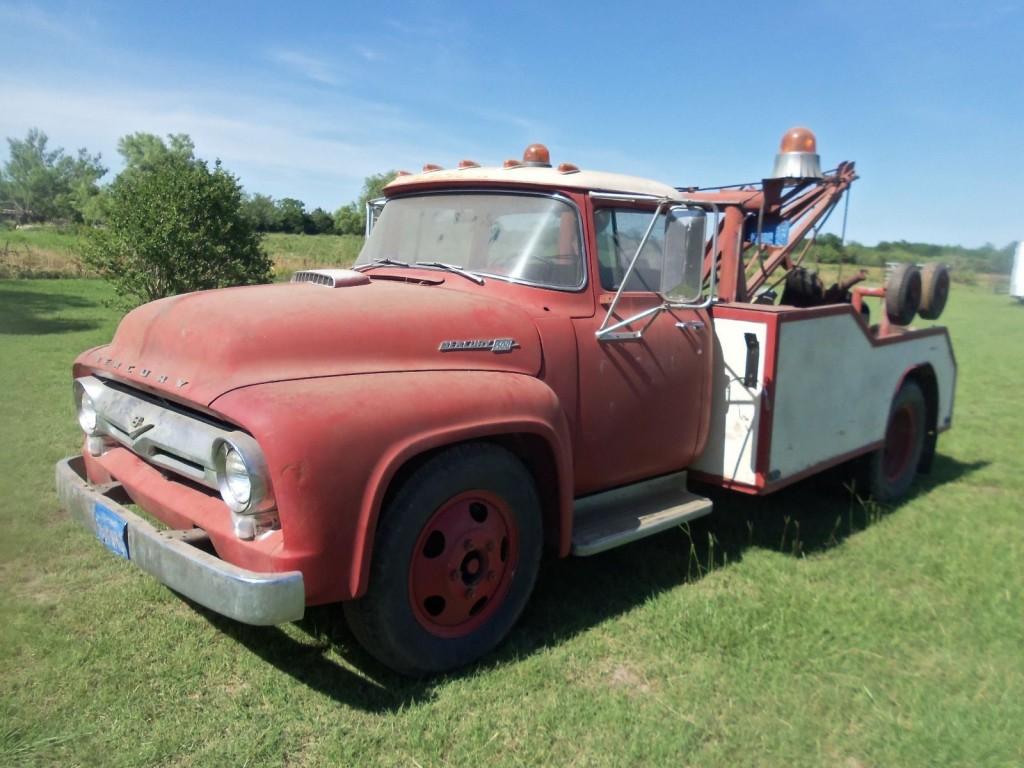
{"points": [[891, 469], [455, 559]]}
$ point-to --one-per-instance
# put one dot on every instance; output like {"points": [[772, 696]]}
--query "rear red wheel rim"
{"points": [[463, 563], [899, 442]]}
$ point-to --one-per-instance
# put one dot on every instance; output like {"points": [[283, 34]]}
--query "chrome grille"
{"points": [[165, 437]]}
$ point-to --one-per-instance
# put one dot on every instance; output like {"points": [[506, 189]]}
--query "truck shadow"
{"points": [[31, 313], [575, 594]]}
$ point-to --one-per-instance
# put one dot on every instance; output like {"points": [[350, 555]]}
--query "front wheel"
{"points": [[456, 556], [891, 469]]}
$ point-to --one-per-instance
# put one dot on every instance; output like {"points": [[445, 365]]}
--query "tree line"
{"points": [[169, 223], [43, 184], [830, 249]]}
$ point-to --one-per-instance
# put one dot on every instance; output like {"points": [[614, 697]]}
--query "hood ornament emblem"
{"points": [[138, 426]]}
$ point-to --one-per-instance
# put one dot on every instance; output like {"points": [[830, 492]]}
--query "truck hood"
{"points": [[197, 346]]}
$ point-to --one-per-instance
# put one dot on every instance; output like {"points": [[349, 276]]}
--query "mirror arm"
{"points": [[604, 332]]}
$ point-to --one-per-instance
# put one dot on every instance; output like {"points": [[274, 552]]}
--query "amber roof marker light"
{"points": [[798, 155], [537, 156], [799, 139]]}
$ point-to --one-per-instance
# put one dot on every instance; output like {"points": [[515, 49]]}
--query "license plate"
{"points": [[111, 529]]}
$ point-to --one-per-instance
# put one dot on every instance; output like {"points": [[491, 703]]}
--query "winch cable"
{"points": [[842, 236]]}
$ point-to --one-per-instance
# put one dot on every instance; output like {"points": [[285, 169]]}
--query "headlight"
{"points": [[242, 476], [86, 410], [237, 483]]}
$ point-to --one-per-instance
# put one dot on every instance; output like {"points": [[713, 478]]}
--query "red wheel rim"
{"points": [[463, 564], [899, 442]]}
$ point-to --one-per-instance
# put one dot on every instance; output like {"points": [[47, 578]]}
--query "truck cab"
{"points": [[524, 359]]}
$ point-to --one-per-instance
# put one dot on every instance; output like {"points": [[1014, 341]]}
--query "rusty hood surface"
{"points": [[197, 346]]}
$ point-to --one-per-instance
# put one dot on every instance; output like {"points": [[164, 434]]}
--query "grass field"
{"points": [[52, 252], [802, 629]]}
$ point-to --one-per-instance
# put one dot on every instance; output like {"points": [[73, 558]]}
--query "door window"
{"points": [[619, 232]]}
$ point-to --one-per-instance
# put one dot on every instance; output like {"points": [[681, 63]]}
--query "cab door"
{"points": [[643, 387]]}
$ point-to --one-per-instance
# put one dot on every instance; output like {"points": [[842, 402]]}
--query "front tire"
{"points": [[455, 559], [892, 468]]}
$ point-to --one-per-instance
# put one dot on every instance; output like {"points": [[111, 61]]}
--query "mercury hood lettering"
{"points": [[494, 345], [114, 365]]}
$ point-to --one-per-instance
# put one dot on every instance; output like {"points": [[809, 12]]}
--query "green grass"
{"points": [[40, 252], [46, 251], [802, 629], [292, 252]]}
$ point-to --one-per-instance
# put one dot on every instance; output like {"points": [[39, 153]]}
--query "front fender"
{"points": [[333, 445]]}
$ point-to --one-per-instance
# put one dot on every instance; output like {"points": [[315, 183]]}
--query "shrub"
{"points": [[174, 226]]}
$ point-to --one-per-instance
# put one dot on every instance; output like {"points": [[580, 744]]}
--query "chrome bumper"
{"points": [[246, 596]]}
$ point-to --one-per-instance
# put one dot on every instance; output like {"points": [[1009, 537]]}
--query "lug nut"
{"points": [[471, 592], [453, 575], [490, 575], [490, 546], [468, 544]]}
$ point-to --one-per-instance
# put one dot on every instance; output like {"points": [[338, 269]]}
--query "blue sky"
{"points": [[306, 99]]}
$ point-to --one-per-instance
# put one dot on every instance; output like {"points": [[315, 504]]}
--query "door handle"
{"points": [[695, 324]]}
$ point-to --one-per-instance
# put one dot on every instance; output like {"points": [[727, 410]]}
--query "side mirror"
{"points": [[682, 272]]}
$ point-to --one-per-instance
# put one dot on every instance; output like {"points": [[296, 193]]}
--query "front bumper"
{"points": [[246, 596]]}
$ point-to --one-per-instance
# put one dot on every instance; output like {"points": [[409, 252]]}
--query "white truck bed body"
{"points": [[823, 390], [1017, 274]]}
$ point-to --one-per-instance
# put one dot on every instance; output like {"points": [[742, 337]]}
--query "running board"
{"points": [[613, 518]]}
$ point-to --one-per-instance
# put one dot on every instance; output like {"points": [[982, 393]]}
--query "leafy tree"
{"points": [[143, 151], [348, 220], [46, 184], [351, 219], [262, 212], [172, 226], [292, 215], [829, 249], [321, 221]]}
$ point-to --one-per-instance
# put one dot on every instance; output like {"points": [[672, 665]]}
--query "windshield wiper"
{"points": [[452, 268], [385, 262]]}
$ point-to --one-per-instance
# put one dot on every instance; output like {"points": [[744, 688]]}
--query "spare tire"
{"points": [[902, 294], [934, 290]]}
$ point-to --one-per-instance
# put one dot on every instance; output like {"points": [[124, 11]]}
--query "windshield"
{"points": [[530, 238]]}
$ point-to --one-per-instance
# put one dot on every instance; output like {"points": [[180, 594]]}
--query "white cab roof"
{"points": [[534, 176]]}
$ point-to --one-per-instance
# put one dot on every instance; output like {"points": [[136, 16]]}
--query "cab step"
{"points": [[613, 518]]}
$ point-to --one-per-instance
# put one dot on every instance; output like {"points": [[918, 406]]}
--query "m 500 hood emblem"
{"points": [[475, 345]]}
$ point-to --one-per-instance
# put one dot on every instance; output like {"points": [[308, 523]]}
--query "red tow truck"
{"points": [[524, 359]]}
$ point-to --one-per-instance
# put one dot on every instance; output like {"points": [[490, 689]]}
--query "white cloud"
{"points": [[277, 147], [370, 54], [310, 67]]}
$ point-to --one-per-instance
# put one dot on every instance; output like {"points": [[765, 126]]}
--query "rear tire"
{"points": [[892, 468], [456, 556], [934, 290], [903, 294]]}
